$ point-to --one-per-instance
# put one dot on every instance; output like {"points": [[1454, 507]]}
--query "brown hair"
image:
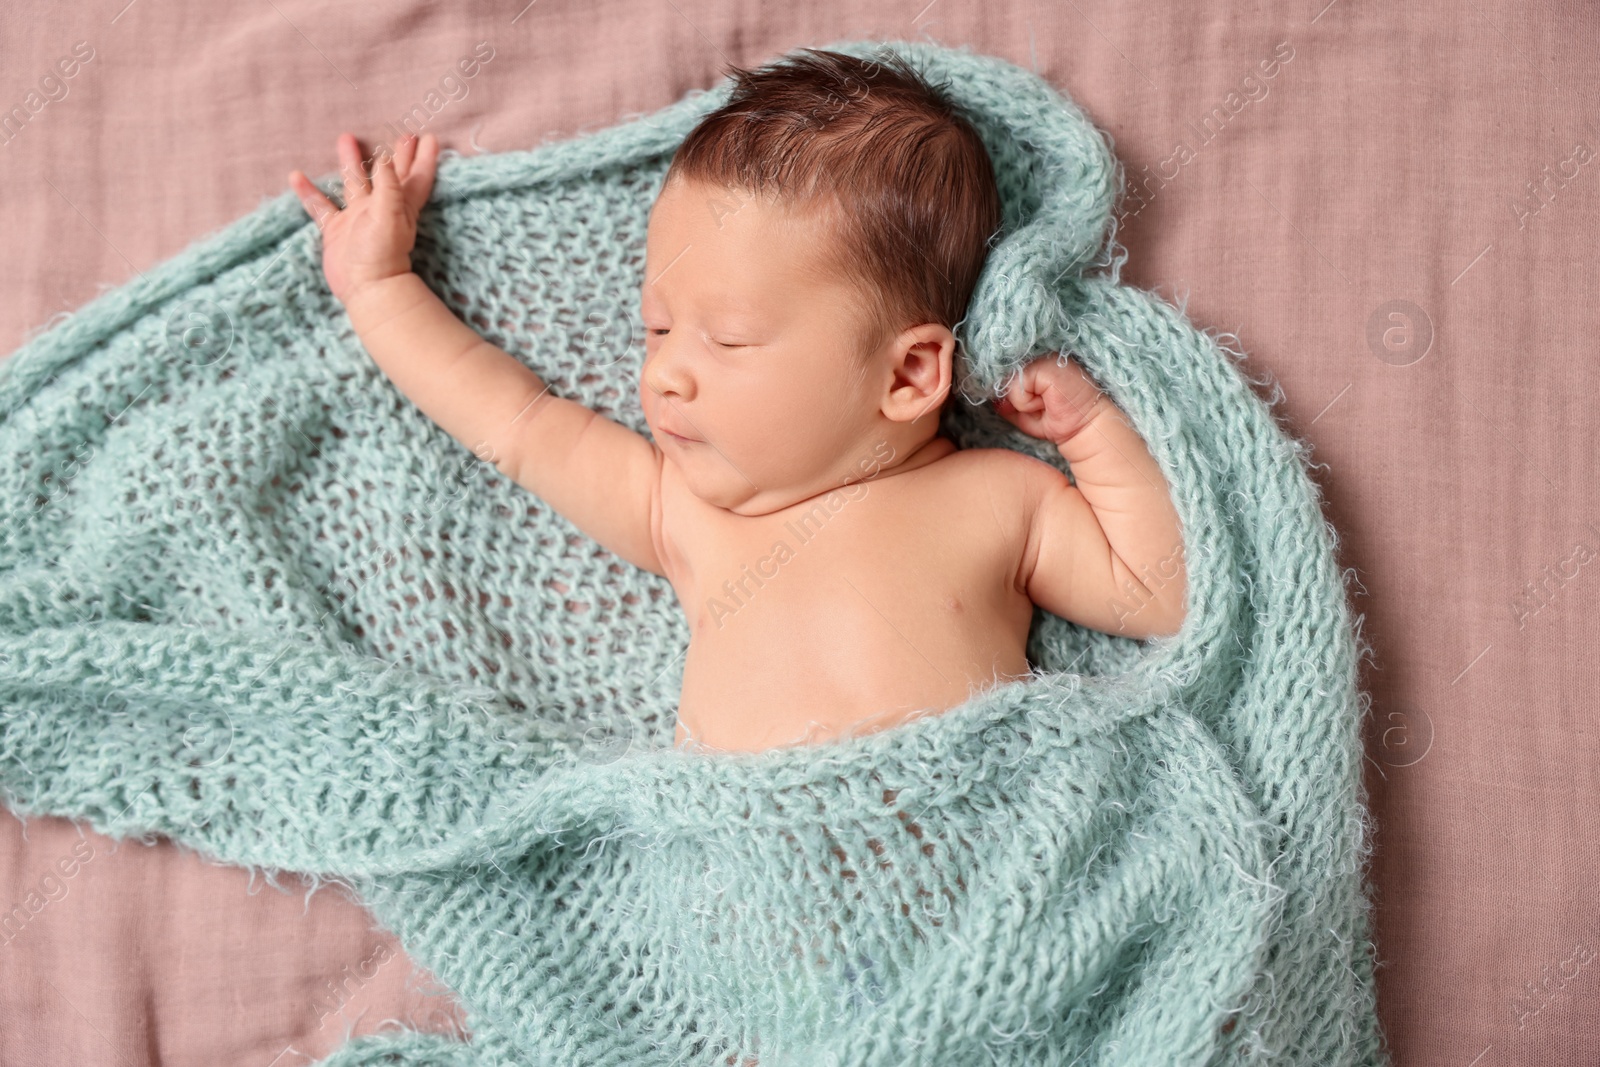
{"points": [[890, 159]]}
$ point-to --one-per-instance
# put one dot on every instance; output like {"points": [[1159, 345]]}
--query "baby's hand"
{"points": [[1051, 400], [371, 238]]}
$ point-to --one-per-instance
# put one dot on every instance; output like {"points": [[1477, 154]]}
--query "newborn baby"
{"points": [[843, 565]]}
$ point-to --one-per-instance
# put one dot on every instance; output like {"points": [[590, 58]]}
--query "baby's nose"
{"points": [[665, 375]]}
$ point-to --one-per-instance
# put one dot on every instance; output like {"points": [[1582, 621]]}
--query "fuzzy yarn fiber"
{"points": [[253, 600]]}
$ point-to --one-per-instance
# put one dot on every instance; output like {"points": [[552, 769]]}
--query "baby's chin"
{"points": [[725, 489], [721, 485]]}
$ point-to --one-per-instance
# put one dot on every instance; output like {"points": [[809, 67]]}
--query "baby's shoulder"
{"points": [[992, 495], [1001, 484], [1002, 468]]}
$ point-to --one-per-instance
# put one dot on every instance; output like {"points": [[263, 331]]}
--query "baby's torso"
{"points": [[848, 611]]}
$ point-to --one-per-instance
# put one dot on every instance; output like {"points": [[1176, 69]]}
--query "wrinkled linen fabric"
{"points": [[253, 600]]}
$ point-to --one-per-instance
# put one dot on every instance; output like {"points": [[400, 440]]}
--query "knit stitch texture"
{"points": [[253, 600]]}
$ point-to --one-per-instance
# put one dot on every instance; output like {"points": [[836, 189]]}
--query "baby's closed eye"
{"points": [[714, 340]]}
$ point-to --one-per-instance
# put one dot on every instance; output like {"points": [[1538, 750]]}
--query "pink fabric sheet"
{"points": [[1394, 208]]}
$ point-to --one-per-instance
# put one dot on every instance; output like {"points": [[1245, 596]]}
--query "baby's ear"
{"points": [[922, 359]]}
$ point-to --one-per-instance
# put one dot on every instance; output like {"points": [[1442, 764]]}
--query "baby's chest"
{"points": [[811, 567], [830, 597], [828, 624], [851, 584]]}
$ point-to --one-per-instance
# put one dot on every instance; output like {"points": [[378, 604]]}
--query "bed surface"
{"points": [[1399, 225]]}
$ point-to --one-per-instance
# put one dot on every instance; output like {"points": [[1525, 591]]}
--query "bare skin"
{"points": [[843, 567]]}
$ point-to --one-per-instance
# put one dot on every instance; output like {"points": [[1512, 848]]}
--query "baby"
{"points": [[844, 566]]}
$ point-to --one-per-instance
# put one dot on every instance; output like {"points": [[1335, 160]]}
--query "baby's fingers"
{"points": [[317, 205], [383, 175], [419, 179], [1024, 395], [404, 150], [352, 167]]}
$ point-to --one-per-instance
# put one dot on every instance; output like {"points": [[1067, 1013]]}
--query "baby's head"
{"points": [[813, 248]]}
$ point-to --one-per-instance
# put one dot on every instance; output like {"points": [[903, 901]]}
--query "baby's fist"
{"points": [[1051, 399]]}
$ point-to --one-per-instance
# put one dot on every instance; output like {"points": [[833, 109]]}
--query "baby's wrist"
{"points": [[1087, 407], [378, 300], [363, 290]]}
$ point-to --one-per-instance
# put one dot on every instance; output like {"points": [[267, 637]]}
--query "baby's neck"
{"points": [[872, 470]]}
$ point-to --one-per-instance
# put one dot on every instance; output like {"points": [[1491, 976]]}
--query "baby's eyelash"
{"points": [[713, 340]]}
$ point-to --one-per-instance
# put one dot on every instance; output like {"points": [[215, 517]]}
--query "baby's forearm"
{"points": [[477, 392], [1122, 482]]}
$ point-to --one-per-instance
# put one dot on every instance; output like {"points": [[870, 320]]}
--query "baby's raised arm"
{"points": [[602, 476], [1108, 552]]}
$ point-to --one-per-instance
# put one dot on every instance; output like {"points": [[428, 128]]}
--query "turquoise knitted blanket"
{"points": [[253, 600]]}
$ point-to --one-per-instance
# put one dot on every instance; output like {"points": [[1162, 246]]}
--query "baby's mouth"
{"points": [[678, 437], [658, 426]]}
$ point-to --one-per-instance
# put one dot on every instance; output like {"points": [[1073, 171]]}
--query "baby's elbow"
{"points": [[1172, 623], [1179, 612], [1166, 607], [1170, 592]]}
